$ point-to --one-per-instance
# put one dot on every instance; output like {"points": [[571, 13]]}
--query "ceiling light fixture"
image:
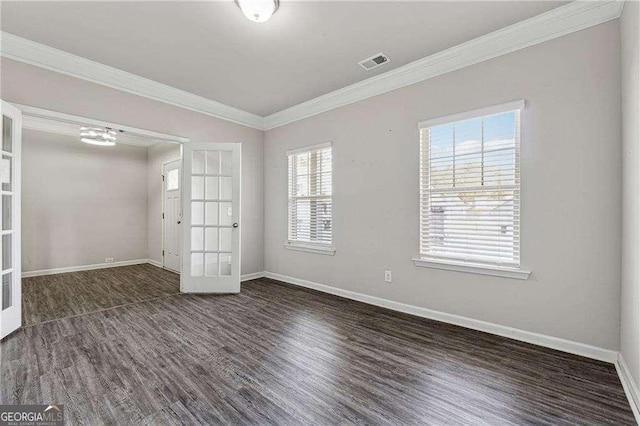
{"points": [[103, 136], [258, 10]]}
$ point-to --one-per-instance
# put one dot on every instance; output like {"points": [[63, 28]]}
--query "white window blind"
{"points": [[470, 187], [310, 187]]}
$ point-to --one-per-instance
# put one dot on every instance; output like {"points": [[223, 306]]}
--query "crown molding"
{"points": [[32, 53], [558, 22]]}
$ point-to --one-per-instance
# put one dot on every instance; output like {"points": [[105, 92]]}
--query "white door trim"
{"points": [[163, 212], [31, 111]]}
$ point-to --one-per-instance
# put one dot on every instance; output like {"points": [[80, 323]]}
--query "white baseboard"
{"points": [[245, 277], [40, 272], [252, 276], [631, 388], [155, 263], [487, 327]]}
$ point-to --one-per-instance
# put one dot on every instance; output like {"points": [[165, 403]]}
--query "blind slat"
{"points": [[309, 195], [470, 189]]}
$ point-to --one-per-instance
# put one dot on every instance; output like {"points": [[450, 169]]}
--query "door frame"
{"points": [[164, 190], [40, 119]]}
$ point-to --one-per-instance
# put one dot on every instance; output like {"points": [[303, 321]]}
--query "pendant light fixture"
{"points": [[258, 10], [103, 136]]}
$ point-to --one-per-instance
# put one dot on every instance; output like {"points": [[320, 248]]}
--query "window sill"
{"points": [[473, 268], [311, 248]]}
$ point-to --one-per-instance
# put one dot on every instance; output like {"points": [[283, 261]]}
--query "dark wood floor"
{"points": [[276, 354], [51, 297]]}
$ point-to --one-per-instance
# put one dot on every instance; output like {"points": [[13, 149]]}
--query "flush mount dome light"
{"points": [[103, 136], [258, 10]]}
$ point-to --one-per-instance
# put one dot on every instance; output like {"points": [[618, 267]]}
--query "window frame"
{"points": [[460, 264], [318, 247]]}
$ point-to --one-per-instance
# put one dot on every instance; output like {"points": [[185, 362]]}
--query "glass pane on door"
{"points": [[7, 139], [173, 180], [226, 168], [6, 169], [6, 291], [213, 163], [196, 264], [197, 187], [5, 177], [6, 252], [211, 249], [211, 264], [226, 186], [211, 239], [225, 239], [225, 264], [226, 214], [198, 162], [6, 212]]}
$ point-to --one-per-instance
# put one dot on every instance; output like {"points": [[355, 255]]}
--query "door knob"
{"points": [[179, 222], [235, 225]]}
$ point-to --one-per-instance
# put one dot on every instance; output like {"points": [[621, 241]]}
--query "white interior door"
{"points": [[211, 218], [171, 215], [11, 291]]}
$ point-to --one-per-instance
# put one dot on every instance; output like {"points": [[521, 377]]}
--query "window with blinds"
{"points": [[470, 187], [310, 219]]}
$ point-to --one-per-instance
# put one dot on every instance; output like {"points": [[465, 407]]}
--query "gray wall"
{"points": [[571, 191], [572, 197], [630, 324], [81, 203], [30, 85], [156, 155]]}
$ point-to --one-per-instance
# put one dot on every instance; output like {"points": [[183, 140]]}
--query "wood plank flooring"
{"points": [[277, 354], [56, 296]]}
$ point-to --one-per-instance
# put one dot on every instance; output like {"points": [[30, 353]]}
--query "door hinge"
{"points": [[163, 253], [163, 215], [163, 178]]}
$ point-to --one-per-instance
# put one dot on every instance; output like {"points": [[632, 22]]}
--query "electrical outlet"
{"points": [[387, 276], [109, 260]]}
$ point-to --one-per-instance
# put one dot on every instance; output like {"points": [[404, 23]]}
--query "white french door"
{"points": [[211, 218], [171, 215], [11, 288]]}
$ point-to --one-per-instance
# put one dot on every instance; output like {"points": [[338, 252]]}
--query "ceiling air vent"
{"points": [[374, 62]]}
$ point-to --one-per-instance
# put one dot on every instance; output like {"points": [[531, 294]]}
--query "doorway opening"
{"points": [[84, 216], [94, 224]]}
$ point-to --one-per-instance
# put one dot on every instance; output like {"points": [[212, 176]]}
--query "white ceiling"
{"points": [[307, 49]]}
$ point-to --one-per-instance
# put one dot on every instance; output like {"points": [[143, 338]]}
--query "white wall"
{"points": [[571, 191], [630, 318], [81, 203], [156, 155], [34, 86]]}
